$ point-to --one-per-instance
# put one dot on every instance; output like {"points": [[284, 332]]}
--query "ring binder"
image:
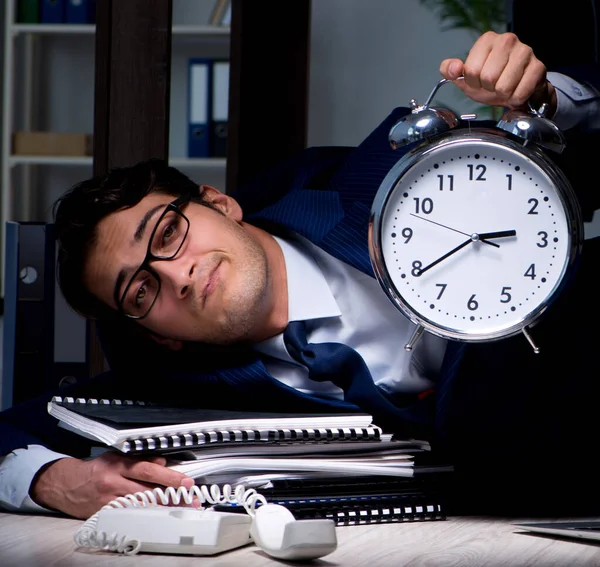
{"points": [[142, 426], [195, 440]]}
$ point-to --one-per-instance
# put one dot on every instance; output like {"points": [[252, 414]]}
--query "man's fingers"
{"points": [[500, 70], [478, 58], [451, 69], [157, 474], [533, 84]]}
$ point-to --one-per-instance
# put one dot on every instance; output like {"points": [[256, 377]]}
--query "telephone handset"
{"points": [[152, 522]]}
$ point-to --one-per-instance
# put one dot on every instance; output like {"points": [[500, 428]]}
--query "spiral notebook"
{"points": [[137, 426], [357, 500], [368, 510]]}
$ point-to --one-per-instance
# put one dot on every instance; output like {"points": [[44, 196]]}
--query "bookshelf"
{"points": [[258, 45], [30, 183]]}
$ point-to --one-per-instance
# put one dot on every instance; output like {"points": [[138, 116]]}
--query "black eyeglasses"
{"points": [[165, 242]]}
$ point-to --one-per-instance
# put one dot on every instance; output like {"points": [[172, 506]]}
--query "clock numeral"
{"points": [[450, 179], [505, 295], [480, 168], [443, 286], [544, 237], [509, 177], [424, 206], [408, 234], [535, 203], [530, 273], [416, 271], [472, 305]]}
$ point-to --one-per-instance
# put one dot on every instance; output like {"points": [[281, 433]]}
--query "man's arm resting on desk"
{"points": [[17, 471], [38, 480]]}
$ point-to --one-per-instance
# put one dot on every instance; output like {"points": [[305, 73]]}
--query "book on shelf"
{"points": [[221, 13], [28, 12], [137, 426]]}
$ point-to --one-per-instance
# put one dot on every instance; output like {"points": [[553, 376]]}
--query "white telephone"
{"points": [[140, 523]]}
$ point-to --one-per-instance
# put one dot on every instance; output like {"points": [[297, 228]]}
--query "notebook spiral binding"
{"points": [[188, 440], [360, 513], [103, 401]]}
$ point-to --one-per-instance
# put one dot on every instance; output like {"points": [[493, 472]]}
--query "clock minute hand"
{"points": [[440, 224], [453, 229], [453, 251]]}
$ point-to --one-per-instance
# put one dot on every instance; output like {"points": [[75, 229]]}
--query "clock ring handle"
{"points": [[435, 90], [539, 112]]}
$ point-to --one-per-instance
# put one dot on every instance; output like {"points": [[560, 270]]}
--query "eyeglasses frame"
{"points": [[145, 265]]}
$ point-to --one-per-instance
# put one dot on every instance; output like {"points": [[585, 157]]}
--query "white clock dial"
{"points": [[473, 236]]}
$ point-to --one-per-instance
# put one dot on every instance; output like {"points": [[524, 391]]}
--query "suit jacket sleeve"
{"points": [[30, 423], [584, 73]]}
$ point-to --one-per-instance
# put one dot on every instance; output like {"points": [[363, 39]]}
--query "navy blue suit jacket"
{"points": [[325, 194]]}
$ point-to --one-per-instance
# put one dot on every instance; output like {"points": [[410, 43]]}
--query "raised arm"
{"points": [[500, 70]]}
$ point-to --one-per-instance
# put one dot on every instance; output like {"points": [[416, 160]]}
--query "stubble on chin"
{"points": [[247, 303]]}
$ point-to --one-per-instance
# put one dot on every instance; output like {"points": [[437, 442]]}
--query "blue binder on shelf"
{"points": [[52, 11], [199, 107], [219, 109], [80, 11]]}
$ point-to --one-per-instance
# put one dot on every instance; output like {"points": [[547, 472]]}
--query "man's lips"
{"points": [[211, 281]]}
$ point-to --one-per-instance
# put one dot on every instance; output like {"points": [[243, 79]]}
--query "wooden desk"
{"points": [[459, 541]]}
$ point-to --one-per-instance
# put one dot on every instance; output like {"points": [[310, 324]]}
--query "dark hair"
{"points": [[78, 212]]}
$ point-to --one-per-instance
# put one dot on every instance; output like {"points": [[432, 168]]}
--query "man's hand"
{"points": [[502, 71], [80, 488]]}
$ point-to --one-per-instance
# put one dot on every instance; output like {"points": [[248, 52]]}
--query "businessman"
{"points": [[200, 292]]}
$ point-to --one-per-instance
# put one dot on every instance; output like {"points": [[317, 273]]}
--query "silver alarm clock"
{"points": [[474, 231]]}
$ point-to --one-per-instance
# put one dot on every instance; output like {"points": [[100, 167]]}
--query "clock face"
{"points": [[472, 236]]}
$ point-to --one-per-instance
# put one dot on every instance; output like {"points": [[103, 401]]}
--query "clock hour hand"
{"points": [[498, 234], [453, 251], [473, 238]]}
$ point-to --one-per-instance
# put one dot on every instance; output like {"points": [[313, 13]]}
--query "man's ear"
{"points": [[171, 344], [226, 204]]}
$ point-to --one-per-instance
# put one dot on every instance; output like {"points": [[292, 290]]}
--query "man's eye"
{"points": [[140, 294], [169, 233]]}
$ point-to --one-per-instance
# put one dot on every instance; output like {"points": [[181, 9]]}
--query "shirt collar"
{"points": [[309, 296]]}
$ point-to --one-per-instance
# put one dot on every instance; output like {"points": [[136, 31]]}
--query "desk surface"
{"points": [[458, 541]]}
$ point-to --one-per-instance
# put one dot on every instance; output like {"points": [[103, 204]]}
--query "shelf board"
{"points": [[200, 163], [66, 29], [49, 160]]}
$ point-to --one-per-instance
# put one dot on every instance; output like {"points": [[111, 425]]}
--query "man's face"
{"points": [[215, 290]]}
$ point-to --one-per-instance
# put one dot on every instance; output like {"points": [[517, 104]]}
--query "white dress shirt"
{"points": [[336, 318], [342, 304]]}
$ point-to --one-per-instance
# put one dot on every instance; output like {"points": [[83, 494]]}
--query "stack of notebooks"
{"points": [[338, 466]]}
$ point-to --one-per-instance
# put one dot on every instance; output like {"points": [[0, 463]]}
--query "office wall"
{"points": [[368, 57]]}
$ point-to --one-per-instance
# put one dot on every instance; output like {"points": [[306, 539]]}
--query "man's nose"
{"points": [[177, 274]]}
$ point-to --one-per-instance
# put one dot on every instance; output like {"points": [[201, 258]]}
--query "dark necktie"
{"points": [[346, 368]]}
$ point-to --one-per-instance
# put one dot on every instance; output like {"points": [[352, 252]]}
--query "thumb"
{"points": [[451, 69]]}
